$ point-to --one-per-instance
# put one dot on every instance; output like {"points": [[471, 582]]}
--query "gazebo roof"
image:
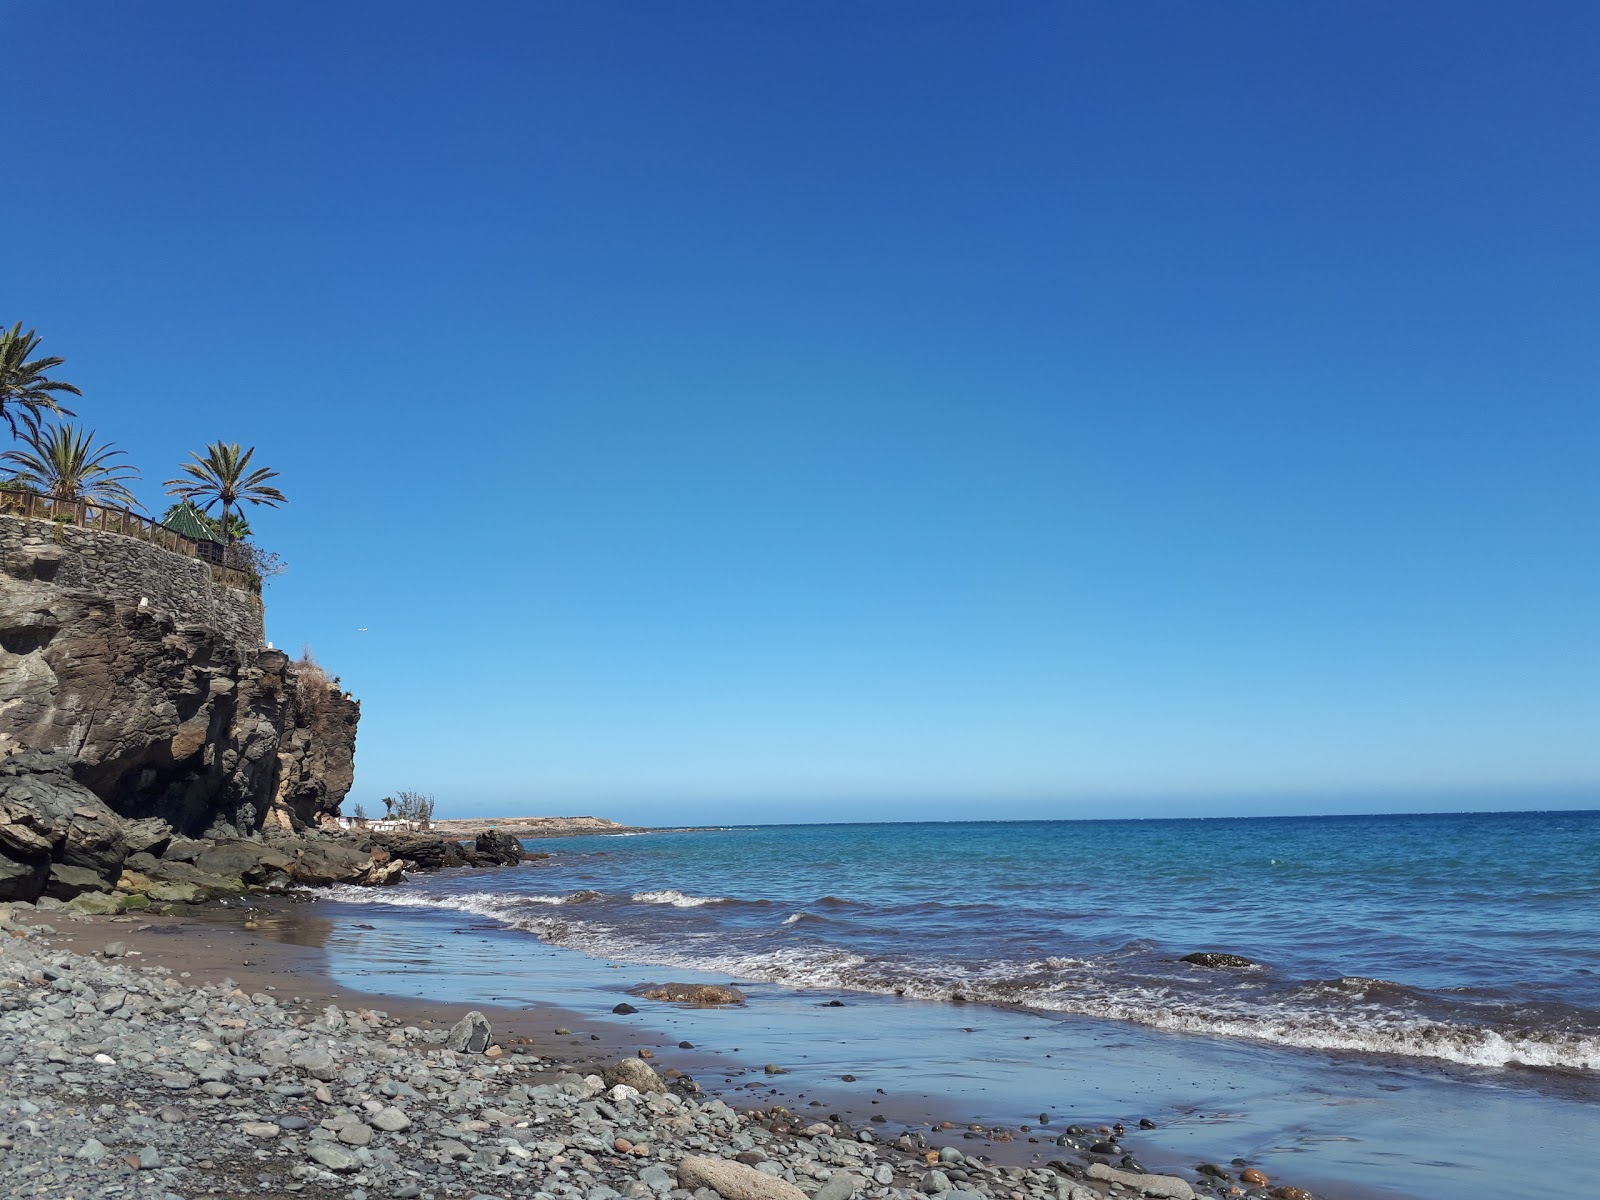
{"points": [[191, 522]]}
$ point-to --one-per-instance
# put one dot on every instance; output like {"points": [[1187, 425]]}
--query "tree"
{"points": [[361, 814], [64, 462], [26, 393], [388, 807], [224, 475], [414, 806]]}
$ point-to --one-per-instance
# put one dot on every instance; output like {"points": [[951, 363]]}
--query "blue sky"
{"points": [[726, 411]]}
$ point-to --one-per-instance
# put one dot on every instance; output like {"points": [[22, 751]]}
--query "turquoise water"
{"points": [[1423, 1019], [1468, 938]]}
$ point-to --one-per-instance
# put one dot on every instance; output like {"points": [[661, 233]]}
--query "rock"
{"points": [[66, 882], [259, 1129], [624, 1009], [114, 949], [94, 904], [733, 1181], [774, 1069], [1168, 1186], [1253, 1177], [1217, 961], [333, 1156], [356, 1135], [841, 1185], [1291, 1193], [634, 1073], [470, 1035], [703, 994], [91, 1151], [390, 1120], [497, 849]]}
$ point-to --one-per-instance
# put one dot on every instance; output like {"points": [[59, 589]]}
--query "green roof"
{"points": [[191, 523]]}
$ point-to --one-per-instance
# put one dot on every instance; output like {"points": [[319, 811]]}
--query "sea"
{"points": [[1422, 1004]]}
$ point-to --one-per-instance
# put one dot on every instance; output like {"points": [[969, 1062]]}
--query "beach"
{"points": [[187, 1056], [1012, 1085]]}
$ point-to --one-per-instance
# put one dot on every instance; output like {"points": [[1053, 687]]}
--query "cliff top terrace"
{"points": [[228, 565]]}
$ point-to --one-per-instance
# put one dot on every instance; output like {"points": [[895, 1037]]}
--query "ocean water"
{"points": [[1468, 938], [1423, 1021]]}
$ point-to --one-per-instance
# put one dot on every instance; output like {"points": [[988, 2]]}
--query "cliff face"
{"points": [[153, 683]]}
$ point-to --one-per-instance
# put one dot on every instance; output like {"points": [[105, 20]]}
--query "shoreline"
{"points": [[257, 948]]}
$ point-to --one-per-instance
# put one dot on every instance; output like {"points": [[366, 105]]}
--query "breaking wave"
{"points": [[1136, 983]]}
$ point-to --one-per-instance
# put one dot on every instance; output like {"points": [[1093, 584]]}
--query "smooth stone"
{"points": [[334, 1157], [734, 1181], [1168, 1186]]}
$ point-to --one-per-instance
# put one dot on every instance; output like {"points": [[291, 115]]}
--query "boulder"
{"points": [[470, 1035], [48, 819], [733, 1180], [634, 1073], [1168, 1187], [149, 836], [497, 849], [704, 994]]}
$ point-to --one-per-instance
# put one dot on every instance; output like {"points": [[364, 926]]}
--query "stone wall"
{"points": [[127, 569]]}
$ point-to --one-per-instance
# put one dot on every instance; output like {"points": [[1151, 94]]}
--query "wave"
{"points": [[1349, 1014], [678, 899]]}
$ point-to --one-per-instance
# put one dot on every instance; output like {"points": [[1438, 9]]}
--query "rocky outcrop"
{"points": [[153, 683]]}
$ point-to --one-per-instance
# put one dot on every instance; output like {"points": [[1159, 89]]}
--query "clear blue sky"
{"points": [[903, 409]]}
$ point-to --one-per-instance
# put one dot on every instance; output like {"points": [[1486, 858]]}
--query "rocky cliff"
{"points": [[153, 683]]}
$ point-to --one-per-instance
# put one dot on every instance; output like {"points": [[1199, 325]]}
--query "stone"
{"points": [[355, 1135], [707, 995], [1291, 1193], [1253, 1177], [259, 1129], [332, 1156], [91, 1151], [390, 1120], [469, 1035], [1169, 1187], [114, 950], [634, 1073], [934, 1183], [733, 1181], [841, 1185], [624, 1009]]}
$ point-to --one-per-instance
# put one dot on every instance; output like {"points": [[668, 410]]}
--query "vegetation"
{"points": [[414, 806], [224, 475], [64, 463], [26, 392], [361, 814]]}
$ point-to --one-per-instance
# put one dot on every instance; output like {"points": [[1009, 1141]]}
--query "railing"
{"points": [[228, 566]]}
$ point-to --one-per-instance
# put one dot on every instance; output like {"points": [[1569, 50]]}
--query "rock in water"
{"points": [[470, 1035], [693, 993], [1206, 958], [635, 1073], [733, 1181]]}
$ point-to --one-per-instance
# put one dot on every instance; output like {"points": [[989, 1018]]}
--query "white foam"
{"points": [[677, 899], [1092, 990]]}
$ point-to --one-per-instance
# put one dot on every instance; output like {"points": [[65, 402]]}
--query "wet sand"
{"points": [[295, 951]]}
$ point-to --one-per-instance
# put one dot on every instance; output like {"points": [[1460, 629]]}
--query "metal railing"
{"points": [[228, 566]]}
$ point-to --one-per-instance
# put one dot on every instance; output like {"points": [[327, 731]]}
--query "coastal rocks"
{"points": [[56, 837], [705, 995], [1169, 1187], [1216, 961], [734, 1181], [634, 1073], [152, 680], [469, 1035], [492, 848]]}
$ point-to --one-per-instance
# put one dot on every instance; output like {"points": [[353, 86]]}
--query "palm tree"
{"points": [[224, 474], [64, 463], [24, 389]]}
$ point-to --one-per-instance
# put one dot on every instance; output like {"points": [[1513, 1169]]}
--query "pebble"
{"points": [[191, 1082]]}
